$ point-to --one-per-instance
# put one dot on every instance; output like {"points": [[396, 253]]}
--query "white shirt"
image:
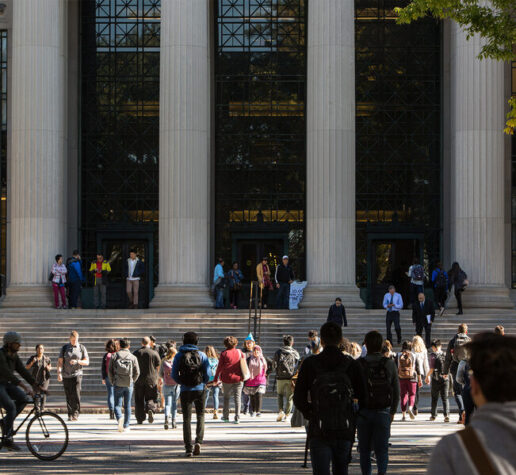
{"points": [[132, 265]]}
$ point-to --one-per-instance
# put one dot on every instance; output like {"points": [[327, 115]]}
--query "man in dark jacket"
{"points": [[423, 315], [284, 277], [146, 386], [133, 272], [336, 449], [75, 278], [13, 397], [337, 313]]}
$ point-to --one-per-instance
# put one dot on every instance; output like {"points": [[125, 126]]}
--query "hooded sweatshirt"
{"points": [[495, 426], [257, 369]]}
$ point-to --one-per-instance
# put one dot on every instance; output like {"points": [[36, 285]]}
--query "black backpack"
{"points": [[379, 388], [162, 350], [190, 369], [333, 416], [440, 280], [418, 272], [437, 375], [286, 368]]}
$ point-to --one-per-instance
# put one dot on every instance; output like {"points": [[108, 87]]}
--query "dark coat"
{"points": [[139, 269], [419, 314], [337, 315]]}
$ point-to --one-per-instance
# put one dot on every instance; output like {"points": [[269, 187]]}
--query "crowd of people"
{"points": [[337, 389]]}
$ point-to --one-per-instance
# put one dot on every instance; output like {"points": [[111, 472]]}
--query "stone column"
{"points": [[477, 172], [184, 186], [330, 204], [37, 168]]}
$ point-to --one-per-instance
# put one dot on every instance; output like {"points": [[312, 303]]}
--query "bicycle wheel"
{"points": [[47, 436]]}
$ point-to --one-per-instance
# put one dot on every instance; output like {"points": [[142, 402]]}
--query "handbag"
{"points": [[244, 369], [50, 277]]}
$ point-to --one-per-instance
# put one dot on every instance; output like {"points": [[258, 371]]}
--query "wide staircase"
{"points": [[52, 328]]}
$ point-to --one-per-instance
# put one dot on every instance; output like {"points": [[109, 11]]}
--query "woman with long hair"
{"points": [[212, 387], [169, 387], [112, 346], [422, 367], [256, 385]]}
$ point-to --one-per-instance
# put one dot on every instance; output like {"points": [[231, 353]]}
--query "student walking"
{"points": [[337, 313], [416, 273], [213, 388], [286, 360], [191, 369], [58, 279], [146, 387], [112, 346], [229, 371], [75, 278], [249, 343], [459, 280], [123, 371], [421, 354], [377, 411], [72, 358], [408, 379], [100, 270], [169, 388], [393, 303], [440, 283], [256, 385], [439, 386], [39, 366], [423, 315]]}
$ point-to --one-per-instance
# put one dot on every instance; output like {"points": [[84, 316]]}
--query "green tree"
{"points": [[494, 21]]}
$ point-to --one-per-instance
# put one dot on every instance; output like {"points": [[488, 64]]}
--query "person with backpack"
{"points": [[285, 361], [459, 280], [393, 303], [455, 353], [378, 408], [39, 365], [337, 313], [211, 387], [72, 358], [464, 380], [219, 283], [328, 387], [229, 371], [256, 385], [416, 273], [440, 285], [111, 348], [191, 369], [123, 371], [409, 378], [169, 388], [486, 446], [438, 384], [75, 278], [146, 387]]}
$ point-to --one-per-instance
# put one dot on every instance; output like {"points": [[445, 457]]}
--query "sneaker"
{"points": [[411, 414], [10, 445], [189, 454], [197, 449], [280, 417], [403, 419], [120, 425], [150, 414], [432, 418], [174, 425], [166, 424], [224, 420], [258, 414], [112, 415], [285, 418], [446, 419], [140, 422], [236, 421], [415, 411], [215, 416], [251, 414]]}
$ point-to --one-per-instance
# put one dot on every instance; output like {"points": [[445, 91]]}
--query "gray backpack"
{"points": [[459, 351], [123, 367]]}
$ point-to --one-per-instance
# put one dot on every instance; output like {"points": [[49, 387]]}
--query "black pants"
{"points": [[440, 388], [457, 388], [233, 296], [256, 402], [440, 296], [458, 297], [75, 291], [189, 398], [72, 388], [469, 405], [428, 332], [393, 317], [145, 400]]}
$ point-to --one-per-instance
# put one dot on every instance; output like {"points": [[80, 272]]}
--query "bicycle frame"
{"points": [[35, 410]]}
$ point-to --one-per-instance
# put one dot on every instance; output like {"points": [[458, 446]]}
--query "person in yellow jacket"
{"points": [[263, 274], [100, 269]]}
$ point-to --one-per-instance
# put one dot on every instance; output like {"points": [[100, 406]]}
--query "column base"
{"points": [[322, 296], [483, 297], [182, 296], [28, 296]]}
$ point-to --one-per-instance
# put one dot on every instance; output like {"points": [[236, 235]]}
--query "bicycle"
{"points": [[46, 435]]}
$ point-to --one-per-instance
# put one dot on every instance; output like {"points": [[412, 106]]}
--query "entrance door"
{"points": [[389, 262], [116, 251]]}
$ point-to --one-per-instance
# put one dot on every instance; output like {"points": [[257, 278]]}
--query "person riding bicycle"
{"points": [[14, 395]]}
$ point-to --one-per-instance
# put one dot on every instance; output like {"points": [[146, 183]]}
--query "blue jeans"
{"points": [[219, 301], [216, 391], [123, 395], [110, 395], [170, 394], [374, 430], [324, 453], [13, 399], [283, 298]]}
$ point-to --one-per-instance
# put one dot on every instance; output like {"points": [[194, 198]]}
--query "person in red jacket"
{"points": [[230, 373]]}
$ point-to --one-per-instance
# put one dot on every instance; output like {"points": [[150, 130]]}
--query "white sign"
{"points": [[296, 294]]}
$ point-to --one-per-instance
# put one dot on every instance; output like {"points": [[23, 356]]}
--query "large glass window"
{"points": [[260, 131], [3, 158], [398, 169], [120, 118]]}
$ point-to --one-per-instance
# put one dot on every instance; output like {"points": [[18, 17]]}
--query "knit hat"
{"points": [[249, 337]]}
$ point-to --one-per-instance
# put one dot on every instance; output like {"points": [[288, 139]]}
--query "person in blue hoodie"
{"points": [[75, 278], [192, 370]]}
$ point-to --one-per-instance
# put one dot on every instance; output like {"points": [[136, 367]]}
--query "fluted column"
{"points": [[477, 168], [37, 167], [330, 205], [184, 186]]}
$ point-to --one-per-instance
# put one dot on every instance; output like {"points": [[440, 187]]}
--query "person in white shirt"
{"points": [[393, 303], [133, 270]]}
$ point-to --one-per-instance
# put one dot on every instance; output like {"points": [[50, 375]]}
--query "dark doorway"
{"points": [[116, 251], [388, 264]]}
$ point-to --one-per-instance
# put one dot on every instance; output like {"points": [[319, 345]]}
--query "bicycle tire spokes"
{"points": [[47, 436]]}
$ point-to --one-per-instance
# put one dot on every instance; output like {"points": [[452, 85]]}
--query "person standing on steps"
{"points": [[459, 280], [416, 273], [235, 278], [40, 365], [58, 278], [283, 276], [440, 285], [75, 278], [72, 358], [100, 270], [112, 346], [219, 278], [393, 303], [286, 360], [191, 369], [423, 315], [133, 272], [123, 371], [146, 387], [337, 313], [263, 274]]}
